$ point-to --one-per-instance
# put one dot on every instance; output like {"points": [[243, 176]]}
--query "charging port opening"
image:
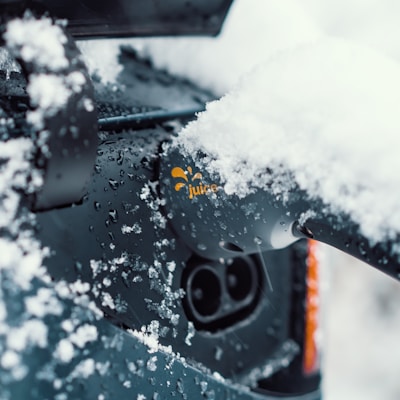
{"points": [[220, 294]]}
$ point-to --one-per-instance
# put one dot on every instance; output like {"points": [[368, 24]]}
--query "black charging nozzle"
{"points": [[217, 225]]}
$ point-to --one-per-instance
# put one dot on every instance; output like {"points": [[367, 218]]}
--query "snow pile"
{"points": [[329, 114]]}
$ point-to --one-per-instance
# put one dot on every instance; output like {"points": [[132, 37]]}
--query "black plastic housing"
{"points": [[119, 18]]}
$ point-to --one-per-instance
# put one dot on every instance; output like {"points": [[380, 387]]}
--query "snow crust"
{"points": [[326, 112]]}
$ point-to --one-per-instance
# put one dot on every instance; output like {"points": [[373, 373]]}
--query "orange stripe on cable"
{"points": [[311, 354]]}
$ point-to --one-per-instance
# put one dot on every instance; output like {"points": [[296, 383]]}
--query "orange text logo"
{"points": [[188, 176]]}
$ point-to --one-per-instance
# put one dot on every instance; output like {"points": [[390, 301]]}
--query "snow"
{"points": [[304, 111], [32, 332], [64, 351], [43, 303], [49, 93], [38, 41], [135, 228], [151, 364], [84, 369], [22, 256], [84, 335], [191, 331], [41, 42], [106, 66]]}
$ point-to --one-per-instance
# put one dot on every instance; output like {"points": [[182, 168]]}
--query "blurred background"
{"points": [[361, 320]]}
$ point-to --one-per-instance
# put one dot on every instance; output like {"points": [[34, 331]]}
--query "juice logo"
{"points": [[193, 190]]}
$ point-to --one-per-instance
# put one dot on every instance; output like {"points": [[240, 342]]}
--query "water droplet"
{"points": [[361, 249], [151, 364], [218, 353], [209, 395], [153, 382], [97, 169], [202, 246], [179, 386], [97, 205], [271, 331], [113, 184], [232, 281], [303, 230], [113, 215], [121, 377], [203, 386], [78, 266], [238, 347], [120, 158], [198, 294], [258, 241]]}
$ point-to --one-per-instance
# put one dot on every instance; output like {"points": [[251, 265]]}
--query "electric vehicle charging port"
{"points": [[221, 294]]}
